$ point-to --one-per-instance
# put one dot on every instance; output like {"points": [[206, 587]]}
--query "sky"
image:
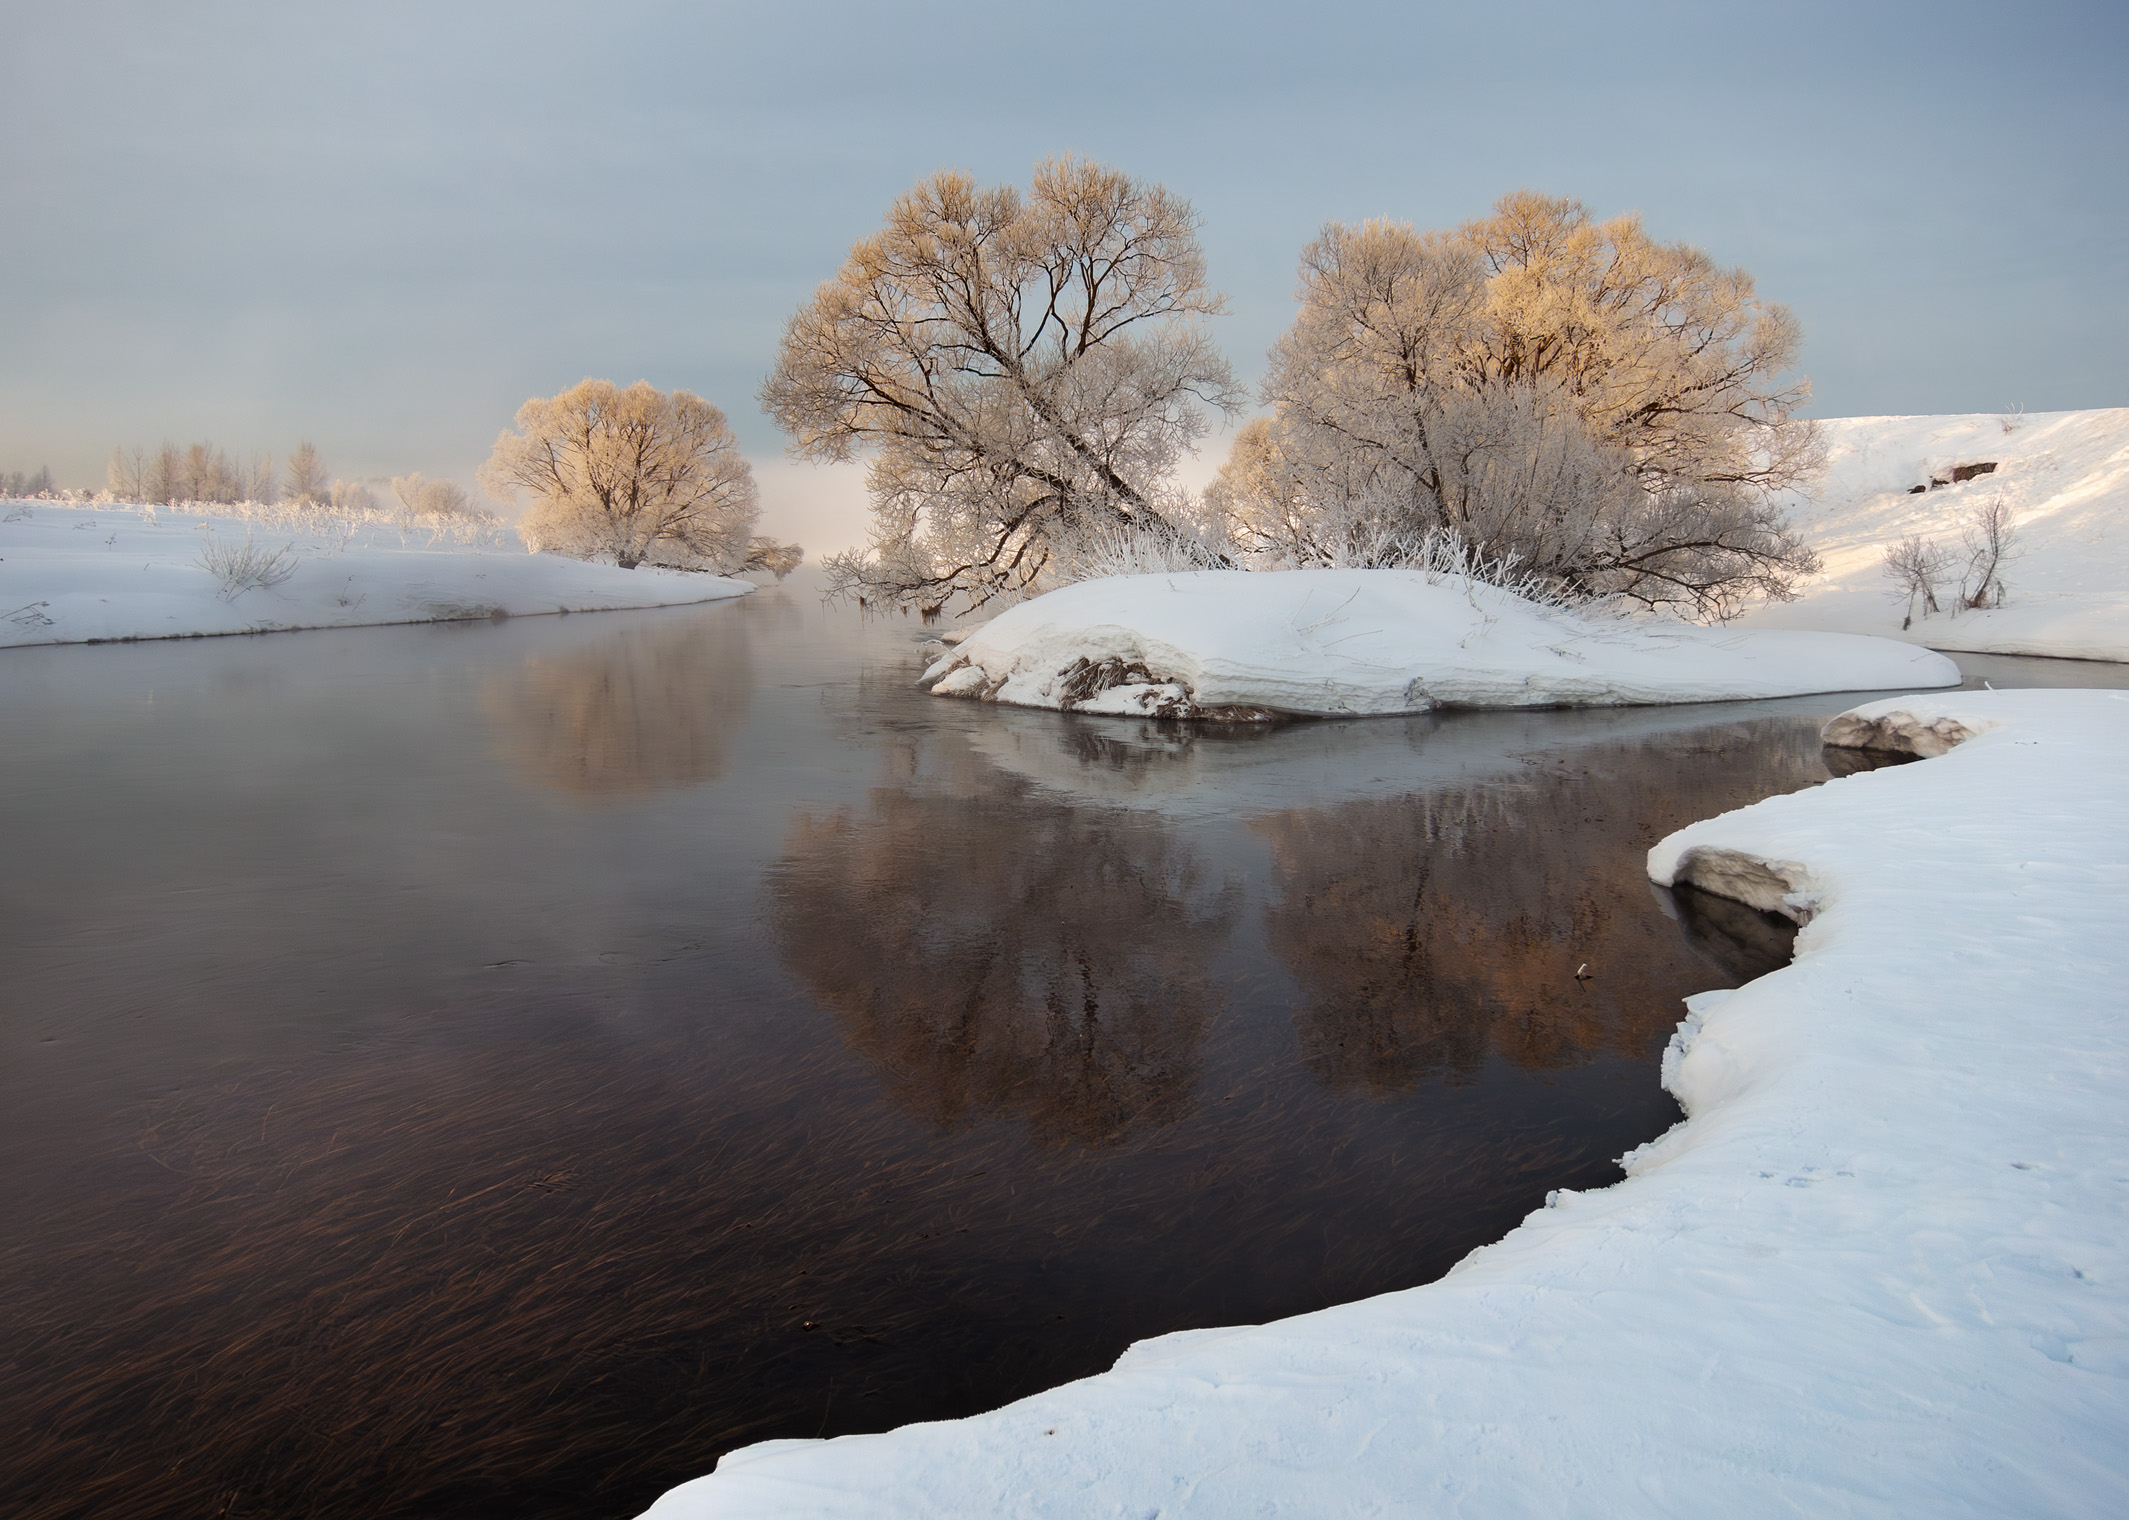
{"points": [[381, 226]]}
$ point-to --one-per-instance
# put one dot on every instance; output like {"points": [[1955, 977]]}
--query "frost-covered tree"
{"points": [[351, 498], [773, 558], [26, 482], [305, 481], [260, 481], [1606, 411], [206, 474], [127, 474], [422, 497], [636, 475], [1022, 369], [200, 472], [162, 475]]}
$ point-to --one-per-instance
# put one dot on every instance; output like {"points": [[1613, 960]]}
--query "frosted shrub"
{"points": [[1132, 548], [1441, 555], [352, 518], [246, 566]]}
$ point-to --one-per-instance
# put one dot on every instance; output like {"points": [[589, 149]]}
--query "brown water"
{"points": [[494, 1070]]}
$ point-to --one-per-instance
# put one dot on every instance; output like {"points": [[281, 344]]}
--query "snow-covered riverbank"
{"points": [[2064, 477], [1880, 1270], [76, 574], [1335, 643]]}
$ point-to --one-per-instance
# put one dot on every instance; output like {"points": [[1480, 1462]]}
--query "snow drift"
{"points": [[2063, 475], [71, 575], [1237, 644], [1879, 1270]]}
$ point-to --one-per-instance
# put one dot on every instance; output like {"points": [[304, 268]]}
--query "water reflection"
{"points": [[1431, 932], [994, 950], [1742, 941], [434, 1149], [641, 709]]}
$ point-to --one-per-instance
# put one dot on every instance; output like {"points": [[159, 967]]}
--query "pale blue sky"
{"points": [[382, 226]]}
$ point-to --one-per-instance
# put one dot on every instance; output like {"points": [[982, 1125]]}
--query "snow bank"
{"points": [[69, 575], [2065, 477], [1237, 644], [1880, 1270]]}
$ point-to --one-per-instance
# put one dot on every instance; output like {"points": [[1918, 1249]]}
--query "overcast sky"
{"points": [[383, 226]]}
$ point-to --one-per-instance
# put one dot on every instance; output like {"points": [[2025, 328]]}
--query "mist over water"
{"points": [[497, 1069]]}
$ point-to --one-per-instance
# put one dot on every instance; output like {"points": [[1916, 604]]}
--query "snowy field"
{"points": [[1357, 642], [72, 574], [1879, 1270], [2063, 475]]}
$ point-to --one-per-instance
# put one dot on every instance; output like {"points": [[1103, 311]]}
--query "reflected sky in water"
{"points": [[496, 1069]]}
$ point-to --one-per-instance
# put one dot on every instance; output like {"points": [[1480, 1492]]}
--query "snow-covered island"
{"points": [[1343, 642], [81, 573], [1324, 643], [1878, 1270]]}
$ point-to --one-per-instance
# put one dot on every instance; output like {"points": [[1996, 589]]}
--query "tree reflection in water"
{"points": [[1434, 931], [637, 709], [995, 950]]}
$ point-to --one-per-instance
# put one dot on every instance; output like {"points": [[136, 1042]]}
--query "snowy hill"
{"points": [[2063, 475]]}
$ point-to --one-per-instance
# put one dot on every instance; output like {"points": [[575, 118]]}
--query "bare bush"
{"points": [[1990, 540], [247, 566], [1915, 565]]}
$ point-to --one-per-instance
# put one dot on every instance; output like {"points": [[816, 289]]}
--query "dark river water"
{"points": [[493, 1070]]}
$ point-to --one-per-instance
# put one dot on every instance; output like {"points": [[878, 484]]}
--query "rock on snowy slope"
{"points": [[1237, 644], [70, 575], [1880, 1270], [2063, 475]]}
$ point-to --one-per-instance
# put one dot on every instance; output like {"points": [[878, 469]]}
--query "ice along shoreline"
{"points": [[1877, 1270]]}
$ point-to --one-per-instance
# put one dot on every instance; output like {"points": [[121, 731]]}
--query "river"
{"points": [[494, 1069]]}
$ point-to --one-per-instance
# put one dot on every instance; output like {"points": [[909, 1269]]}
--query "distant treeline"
{"points": [[204, 473], [18, 483]]}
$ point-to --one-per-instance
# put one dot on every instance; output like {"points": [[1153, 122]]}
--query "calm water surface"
{"points": [[494, 1070]]}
